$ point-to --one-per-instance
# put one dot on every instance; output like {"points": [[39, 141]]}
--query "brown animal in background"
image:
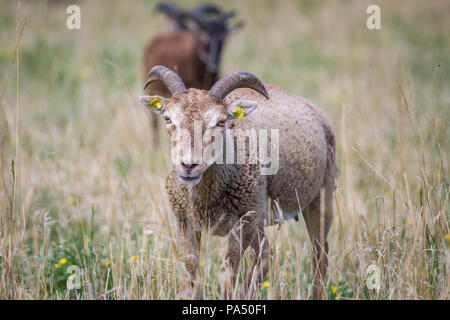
{"points": [[193, 48], [233, 199]]}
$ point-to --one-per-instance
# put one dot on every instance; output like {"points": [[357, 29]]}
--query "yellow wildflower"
{"points": [[154, 278], [57, 266], [108, 263], [447, 237], [62, 261], [333, 289], [134, 258], [266, 284], [70, 201], [410, 222]]}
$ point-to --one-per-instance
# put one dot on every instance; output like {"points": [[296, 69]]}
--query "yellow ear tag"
{"points": [[238, 112], [155, 103]]}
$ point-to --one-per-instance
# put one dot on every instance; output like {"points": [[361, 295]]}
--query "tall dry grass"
{"points": [[82, 185]]}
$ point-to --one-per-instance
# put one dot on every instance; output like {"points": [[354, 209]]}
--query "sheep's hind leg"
{"points": [[318, 218]]}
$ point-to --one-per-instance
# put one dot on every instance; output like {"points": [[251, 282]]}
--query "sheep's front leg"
{"points": [[240, 237], [261, 260], [190, 242]]}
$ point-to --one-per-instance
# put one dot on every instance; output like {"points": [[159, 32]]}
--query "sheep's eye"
{"points": [[167, 120], [220, 123]]}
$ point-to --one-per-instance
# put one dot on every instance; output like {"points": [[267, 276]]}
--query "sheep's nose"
{"points": [[189, 166]]}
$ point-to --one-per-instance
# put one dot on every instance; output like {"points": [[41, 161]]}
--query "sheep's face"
{"points": [[196, 122]]}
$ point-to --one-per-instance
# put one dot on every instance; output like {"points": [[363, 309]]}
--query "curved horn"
{"points": [[207, 8], [172, 81], [226, 16], [235, 81]]}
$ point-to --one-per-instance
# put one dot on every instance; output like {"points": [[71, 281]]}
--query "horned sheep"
{"points": [[193, 48], [233, 199]]}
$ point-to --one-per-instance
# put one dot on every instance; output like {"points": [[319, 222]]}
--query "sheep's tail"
{"points": [[332, 167]]}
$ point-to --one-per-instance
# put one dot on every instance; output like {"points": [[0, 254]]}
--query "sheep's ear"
{"points": [[241, 109], [154, 103]]}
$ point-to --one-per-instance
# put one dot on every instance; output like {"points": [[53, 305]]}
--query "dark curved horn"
{"points": [[172, 81], [235, 81], [207, 8], [226, 16]]}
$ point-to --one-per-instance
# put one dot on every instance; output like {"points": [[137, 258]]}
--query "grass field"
{"points": [[81, 184]]}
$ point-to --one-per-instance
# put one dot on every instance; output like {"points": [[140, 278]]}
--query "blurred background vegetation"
{"points": [[82, 185]]}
